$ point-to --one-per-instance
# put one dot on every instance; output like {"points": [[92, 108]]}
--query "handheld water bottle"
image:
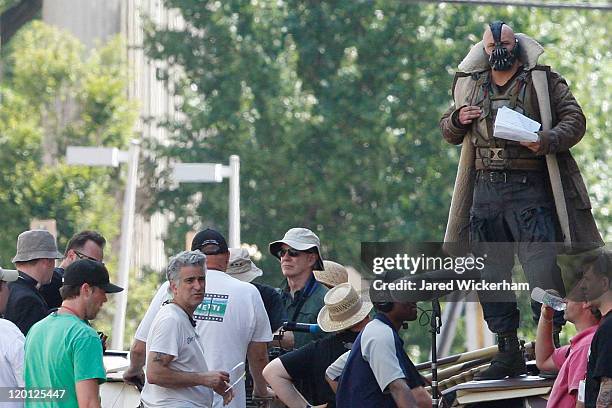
{"points": [[541, 296]]}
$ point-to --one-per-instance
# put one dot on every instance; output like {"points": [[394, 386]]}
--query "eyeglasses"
{"points": [[293, 253], [81, 255]]}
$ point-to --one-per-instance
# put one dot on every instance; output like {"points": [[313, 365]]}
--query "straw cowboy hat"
{"points": [[343, 308], [332, 275]]}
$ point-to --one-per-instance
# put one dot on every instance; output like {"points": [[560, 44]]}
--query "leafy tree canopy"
{"points": [[333, 107], [56, 94], [7, 4]]}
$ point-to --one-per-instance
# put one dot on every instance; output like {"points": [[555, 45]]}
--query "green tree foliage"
{"points": [[141, 292], [54, 94], [328, 106], [333, 108], [585, 61], [7, 4]]}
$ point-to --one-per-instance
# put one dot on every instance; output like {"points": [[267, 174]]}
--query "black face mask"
{"points": [[501, 59]]}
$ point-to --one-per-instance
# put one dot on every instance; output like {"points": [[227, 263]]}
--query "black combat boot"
{"points": [[508, 362]]}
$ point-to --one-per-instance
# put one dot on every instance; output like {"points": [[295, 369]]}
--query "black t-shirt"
{"points": [[600, 360], [307, 366], [273, 302], [51, 291], [25, 306]]}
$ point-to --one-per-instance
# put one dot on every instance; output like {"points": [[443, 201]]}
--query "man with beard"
{"points": [[62, 351], [515, 197]]}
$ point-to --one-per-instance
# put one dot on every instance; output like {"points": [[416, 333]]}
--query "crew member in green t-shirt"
{"points": [[63, 353]]}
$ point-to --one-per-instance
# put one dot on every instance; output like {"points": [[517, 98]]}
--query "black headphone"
{"points": [[384, 307]]}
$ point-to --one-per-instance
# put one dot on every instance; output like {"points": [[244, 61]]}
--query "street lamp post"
{"points": [[234, 201], [103, 156], [215, 173]]}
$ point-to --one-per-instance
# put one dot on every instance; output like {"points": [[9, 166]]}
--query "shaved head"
{"points": [[501, 46], [507, 39]]}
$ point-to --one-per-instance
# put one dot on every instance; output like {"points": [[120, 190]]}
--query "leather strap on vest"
{"points": [[540, 84]]}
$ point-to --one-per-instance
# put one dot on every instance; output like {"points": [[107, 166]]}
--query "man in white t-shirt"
{"points": [[177, 375], [11, 343], [232, 322]]}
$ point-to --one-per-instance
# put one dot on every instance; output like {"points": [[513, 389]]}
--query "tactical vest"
{"points": [[493, 153]]}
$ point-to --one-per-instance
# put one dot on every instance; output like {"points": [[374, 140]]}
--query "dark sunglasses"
{"points": [[81, 255], [293, 253]]}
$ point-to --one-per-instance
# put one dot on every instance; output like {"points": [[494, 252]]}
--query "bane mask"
{"points": [[501, 59]]}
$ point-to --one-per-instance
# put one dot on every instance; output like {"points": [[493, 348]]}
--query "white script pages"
{"points": [[512, 125]]}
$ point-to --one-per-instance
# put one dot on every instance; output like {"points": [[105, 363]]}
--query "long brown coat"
{"points": [[568, 128]]}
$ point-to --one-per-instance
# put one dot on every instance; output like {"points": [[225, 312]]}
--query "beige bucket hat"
{"points": [[240, 265], [343, 308], [332, 275], [301, 239]]}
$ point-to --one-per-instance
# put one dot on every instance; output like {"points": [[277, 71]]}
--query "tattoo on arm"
{"points": [[159, 357], [604, 399]]}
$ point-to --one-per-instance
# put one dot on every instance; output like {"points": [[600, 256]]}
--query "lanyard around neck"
{"points": [[308, 290]]}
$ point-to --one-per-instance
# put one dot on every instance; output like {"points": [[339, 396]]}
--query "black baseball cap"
{"points": [[92, 272], [210, 237]]}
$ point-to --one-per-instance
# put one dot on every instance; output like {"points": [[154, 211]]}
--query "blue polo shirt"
{"points": [[376, 360]]}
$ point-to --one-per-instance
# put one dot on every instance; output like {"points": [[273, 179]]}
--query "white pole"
{"points": [[127, 232], [234, 201], [479, 334]]}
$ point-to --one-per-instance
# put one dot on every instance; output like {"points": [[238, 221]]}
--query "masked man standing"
{"points": [[528, 194]]}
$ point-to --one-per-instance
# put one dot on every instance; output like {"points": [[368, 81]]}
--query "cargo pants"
{"points": [[513, 213]]}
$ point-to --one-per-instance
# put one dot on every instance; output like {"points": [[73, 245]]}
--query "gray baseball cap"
{"points": [[36, 244], [8, 275], [301, 239]]}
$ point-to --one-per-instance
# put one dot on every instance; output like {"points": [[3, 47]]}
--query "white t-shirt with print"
{"points": [[172, 333], [231, 316], [11, 359], [160, 297]]}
